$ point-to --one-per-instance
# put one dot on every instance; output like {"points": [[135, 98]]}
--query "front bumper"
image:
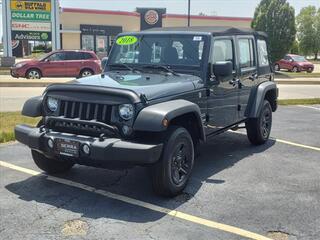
{"points": [[14, 73], [102, 152]]}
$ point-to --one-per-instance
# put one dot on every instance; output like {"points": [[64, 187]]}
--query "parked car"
{"points": [[155, 110], [64, 63], [294, 63]]}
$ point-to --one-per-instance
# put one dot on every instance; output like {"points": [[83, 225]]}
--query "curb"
{"points": [[297, 82], [25, 84]]}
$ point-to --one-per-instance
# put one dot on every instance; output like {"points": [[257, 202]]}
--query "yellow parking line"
{"points": [[296, 144], [285, 142], [132, 201]]}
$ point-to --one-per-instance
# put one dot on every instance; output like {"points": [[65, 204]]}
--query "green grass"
{"points": [[308, 101], [8, 120], [299, 74]]}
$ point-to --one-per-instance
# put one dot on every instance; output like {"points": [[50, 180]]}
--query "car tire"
{"points": [[86, 73], [172, 172], [49, 165], [309, 70], [258, 129], [277, 67], [33, 74], [295, 69]]}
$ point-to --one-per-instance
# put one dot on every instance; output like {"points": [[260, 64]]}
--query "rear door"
{"points": [[246, 49], [54, 65], [73, 63], [223, 99]]}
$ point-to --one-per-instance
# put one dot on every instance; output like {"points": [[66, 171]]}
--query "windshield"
{"points": [[298, 58], [161, 49]]}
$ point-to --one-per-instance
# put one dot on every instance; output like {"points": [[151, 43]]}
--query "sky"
{"points": [[236, 8]]}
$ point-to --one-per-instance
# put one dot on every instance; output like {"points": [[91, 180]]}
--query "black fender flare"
{"points": [[151, 118], [257, 97], [33, 107]]}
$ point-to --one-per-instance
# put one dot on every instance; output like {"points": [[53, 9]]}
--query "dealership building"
{"points": [[96, 29]]}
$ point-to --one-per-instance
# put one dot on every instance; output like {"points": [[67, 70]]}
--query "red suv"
{"points": [[294, 63], [64, 63]]}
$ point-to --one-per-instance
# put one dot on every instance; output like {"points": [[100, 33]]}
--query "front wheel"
{"points": [[277, 67], [50, 166], [295, 69], [33, 74], [258, 129], [171, 174]]}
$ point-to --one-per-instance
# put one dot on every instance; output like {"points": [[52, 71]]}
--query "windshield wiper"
{"points": [[123, 65], [156, 66]]}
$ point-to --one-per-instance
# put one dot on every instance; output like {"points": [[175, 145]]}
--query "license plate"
{"points": [[67, 147]]}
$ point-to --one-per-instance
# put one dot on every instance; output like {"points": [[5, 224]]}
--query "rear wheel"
{"points": [[277, 67], [310, 70], [86, 73], [171, 174], [258, 129], [49, 165], [33, 74]]}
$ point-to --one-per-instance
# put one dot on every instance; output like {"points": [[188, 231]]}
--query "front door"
{"points": [[54, 65], [223, 97], [248, 71]]}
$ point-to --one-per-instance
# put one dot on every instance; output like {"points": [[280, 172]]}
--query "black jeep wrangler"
{"points": [[163, 92]]}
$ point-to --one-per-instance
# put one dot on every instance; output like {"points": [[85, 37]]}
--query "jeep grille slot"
{"points": [[85, 111]]}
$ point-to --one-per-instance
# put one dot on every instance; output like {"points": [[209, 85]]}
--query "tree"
{"points": [[277, 19], [295, 49], [308, 26]]}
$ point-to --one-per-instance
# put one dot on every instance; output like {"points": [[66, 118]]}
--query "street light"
{"points": [[189, 13]]}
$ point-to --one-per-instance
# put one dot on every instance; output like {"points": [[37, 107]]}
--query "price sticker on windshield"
{"points": [[197, 38], [127, 40]]}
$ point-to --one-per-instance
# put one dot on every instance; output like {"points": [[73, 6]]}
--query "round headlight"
{"points": [[126, 111], [52, 104]]}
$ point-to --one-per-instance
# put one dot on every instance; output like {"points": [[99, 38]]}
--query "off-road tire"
{"points": [[50, 166], [258, 129], [164, 181]]}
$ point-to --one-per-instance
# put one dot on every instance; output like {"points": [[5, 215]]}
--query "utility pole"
{"points": [[189, 13]]}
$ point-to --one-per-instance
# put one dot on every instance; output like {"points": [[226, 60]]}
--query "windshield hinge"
{"points": [[143, 98]]}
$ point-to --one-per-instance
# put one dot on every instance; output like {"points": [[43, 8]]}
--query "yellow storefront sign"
{"points": [[44, 6]]}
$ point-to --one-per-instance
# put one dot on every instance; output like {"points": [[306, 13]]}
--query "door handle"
{"points": [[234, 81], [253, 77]]}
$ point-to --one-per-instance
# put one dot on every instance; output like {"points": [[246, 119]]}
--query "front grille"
{"points": [[85, 111], [82, 118]]}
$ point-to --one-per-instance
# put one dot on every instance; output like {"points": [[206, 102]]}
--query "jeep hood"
{"points": [[153, 86]]}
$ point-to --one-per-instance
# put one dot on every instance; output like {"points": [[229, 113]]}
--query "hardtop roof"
{"points": [[214, 30]]}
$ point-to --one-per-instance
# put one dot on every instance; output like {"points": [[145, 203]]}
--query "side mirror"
{"points": [[47, 60], [222, 69]]}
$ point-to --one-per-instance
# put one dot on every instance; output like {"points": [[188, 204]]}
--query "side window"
{"points": [[246, 53], [60, 56], [262, 53], [287, 58], [223, 51], [85, 56], [72, 56]]}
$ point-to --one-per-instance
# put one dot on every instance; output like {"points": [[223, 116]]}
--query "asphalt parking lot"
{"points": [[237, 191]]}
